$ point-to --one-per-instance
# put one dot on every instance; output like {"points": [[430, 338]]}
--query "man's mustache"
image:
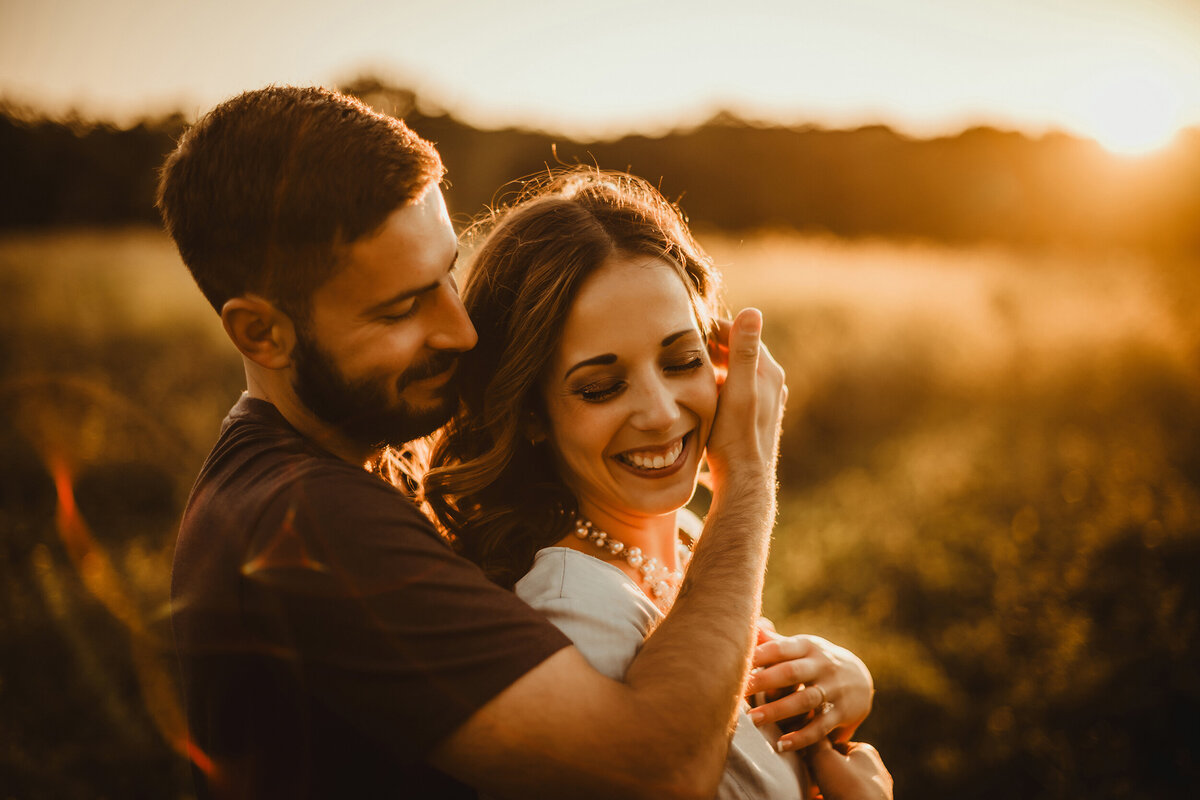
{"points": [[435, 365]]}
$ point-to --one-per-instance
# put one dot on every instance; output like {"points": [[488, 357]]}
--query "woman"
{"points": [[586, 407]]}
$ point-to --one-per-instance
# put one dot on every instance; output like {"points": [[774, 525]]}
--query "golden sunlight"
{"points": [[1132, 111]]}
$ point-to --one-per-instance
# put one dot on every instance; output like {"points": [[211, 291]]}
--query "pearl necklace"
{"points": [[658, 580]]}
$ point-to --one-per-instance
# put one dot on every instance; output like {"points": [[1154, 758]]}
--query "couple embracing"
{"points": [[440, 547]]}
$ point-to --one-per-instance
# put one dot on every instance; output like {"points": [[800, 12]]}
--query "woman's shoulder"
{"points": [[561, 576], [595, 604]]}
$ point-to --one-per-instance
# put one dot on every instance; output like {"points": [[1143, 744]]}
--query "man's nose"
{"points": [[453, 329]]}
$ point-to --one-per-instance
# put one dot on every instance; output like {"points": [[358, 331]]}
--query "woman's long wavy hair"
{"points": [[493, 490]]}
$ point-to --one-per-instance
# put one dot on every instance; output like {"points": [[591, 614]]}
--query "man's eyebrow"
{"points": [[607, 358], [400, 297]]}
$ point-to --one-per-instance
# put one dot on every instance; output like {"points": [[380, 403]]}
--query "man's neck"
{"points": [[306, 423]]}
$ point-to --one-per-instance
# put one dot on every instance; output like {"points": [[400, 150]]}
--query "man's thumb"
{"points": [[744, 339]]}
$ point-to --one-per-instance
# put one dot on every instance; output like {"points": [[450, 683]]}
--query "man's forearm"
{"points": [[663, 731], [711, 625], [710, 628]]}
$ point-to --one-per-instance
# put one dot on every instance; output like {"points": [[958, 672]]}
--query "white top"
{"points": [[608, 617]]}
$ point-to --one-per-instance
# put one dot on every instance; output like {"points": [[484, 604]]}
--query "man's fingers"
{"points": [[854, 769], [863, 752], [866, 760], [823, 754], [745, 338], [741, 361], [745, 435]]}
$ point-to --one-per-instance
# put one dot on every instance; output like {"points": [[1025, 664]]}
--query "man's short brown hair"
{"points": [[261, 194]]}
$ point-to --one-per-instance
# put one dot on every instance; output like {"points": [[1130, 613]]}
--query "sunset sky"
{"points": [[1124, 71]]}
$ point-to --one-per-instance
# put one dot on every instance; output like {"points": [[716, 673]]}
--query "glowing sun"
{"points": [[1131, 112]]}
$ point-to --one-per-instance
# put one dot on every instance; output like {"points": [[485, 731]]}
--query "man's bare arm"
{"points": [[664, 731]]}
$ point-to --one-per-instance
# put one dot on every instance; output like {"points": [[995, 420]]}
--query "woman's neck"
{"points": [[655, 536]]}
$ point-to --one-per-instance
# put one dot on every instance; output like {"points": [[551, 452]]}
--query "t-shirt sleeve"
{"points": [[385, 625], [605, 617]]}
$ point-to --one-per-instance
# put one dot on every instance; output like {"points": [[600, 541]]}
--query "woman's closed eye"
{"points": [[685, 365], [600, 391]]}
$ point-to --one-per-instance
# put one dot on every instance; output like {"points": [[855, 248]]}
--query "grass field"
{"points": [[990, 489]]}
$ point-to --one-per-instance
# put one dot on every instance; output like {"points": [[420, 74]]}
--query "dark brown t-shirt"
{"points": [[328, 636]]}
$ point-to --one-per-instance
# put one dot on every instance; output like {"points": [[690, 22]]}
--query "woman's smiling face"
{"points": [[630, 393]]}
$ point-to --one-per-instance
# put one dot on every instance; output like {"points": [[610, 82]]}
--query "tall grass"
{"points": [[990, 489]]}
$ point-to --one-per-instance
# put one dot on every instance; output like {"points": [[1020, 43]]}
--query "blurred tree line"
{"points": [[982, 184]]}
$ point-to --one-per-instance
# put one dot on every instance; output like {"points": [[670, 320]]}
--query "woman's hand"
{"points": [[822, 690], [850, 771]]}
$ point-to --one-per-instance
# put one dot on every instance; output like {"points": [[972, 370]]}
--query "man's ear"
{"points": [[260, 330]]}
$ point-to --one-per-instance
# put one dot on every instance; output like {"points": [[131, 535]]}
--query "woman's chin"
{"points": [[669, 499]]}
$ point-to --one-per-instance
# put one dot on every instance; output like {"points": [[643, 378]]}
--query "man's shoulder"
{"points": [[262, 474], [258, 452], [255, 433]]}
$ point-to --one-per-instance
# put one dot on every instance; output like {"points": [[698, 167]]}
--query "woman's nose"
{"points": [[657, 408]]}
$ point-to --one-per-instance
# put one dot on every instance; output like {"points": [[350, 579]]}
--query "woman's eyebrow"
{"points": [[610, 358], [607, 358], [674, 336]]}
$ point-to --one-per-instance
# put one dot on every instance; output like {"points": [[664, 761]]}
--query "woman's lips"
{"points": [[656, 462]]}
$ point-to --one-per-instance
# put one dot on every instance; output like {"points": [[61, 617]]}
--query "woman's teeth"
{"points": [[653, 460]]}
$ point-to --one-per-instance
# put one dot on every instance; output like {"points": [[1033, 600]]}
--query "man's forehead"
{"points": [[414, 247]]}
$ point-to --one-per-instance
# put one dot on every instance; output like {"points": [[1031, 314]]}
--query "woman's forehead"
{"points": [[631, 301]]}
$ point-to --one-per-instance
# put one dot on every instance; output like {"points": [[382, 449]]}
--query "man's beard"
{"points": [[360, 410]]}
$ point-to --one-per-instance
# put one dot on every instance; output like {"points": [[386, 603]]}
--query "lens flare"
{"points": [[102, 580], [285, 550]]}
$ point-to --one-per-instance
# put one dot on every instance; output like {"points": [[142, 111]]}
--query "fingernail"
{"points": [[754, 323], [756, 717], [782, 746]]}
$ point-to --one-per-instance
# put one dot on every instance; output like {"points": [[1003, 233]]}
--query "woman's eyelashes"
{"points": [[687, 363], [597, 391], [600, 391]]}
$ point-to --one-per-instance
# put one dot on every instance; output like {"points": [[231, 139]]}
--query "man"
{"points": [[331, 643]]}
